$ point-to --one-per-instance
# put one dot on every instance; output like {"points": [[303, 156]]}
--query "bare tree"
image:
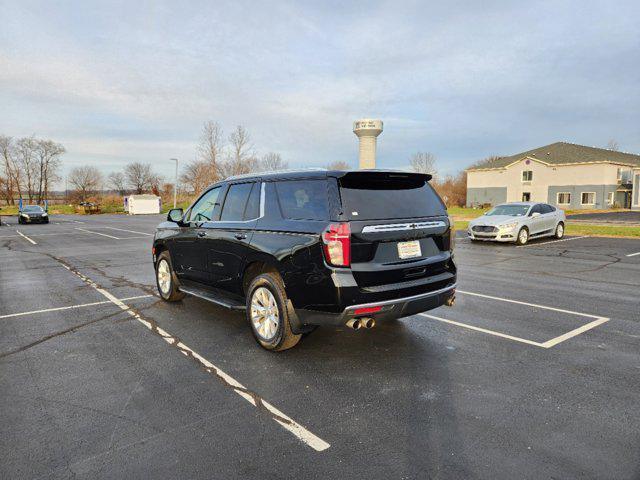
{"points": [[117, 181], [210, 149], [423, 162], [272, 161], [48, 155], [86, 180], [613, 145], [197, 175], [241, 159], [28, 164], [9, 169], [339, 165], [140, 177]]}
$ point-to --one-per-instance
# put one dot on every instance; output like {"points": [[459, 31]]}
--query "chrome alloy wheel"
{"points": [[265, 315], [164, 276], [523, 236], [560, 231]]}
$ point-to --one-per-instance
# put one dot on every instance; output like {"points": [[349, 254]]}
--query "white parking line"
{"points": [[285, 421], [25, 237], [98, 233], [573, 333], [633, 254], [552, 241], [548, 344], [508, 300], [483, 330], [130, 231], [71, 307]]}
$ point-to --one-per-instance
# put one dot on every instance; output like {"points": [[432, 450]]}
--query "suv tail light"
{"points": [[337, 244]]}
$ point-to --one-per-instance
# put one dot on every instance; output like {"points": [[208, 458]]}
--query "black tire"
{"points": [[172, 292], [20, 220], [559, 233], [282, 338], [523, 236]]}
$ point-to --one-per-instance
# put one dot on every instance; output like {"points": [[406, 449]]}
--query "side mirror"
{"points": [[175, 215], [535, 214]]}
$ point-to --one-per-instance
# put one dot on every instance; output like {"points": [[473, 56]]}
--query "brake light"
{"points": [[337, 244], [362, 311]]}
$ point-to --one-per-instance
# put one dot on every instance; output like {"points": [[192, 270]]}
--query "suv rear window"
{"points": [[303, 199], [380, 196]]}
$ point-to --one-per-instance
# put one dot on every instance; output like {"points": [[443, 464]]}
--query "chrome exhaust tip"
{"points": [[367, 322], [450, 301], [354, 324]]}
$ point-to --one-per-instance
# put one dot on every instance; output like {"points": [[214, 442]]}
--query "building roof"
{"points": [[560, 153]]}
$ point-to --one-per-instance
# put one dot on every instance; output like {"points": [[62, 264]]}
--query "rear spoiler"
{"points": [[355, 174]]}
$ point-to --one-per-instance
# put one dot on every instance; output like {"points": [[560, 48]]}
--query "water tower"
{"points": [[367, 131]]}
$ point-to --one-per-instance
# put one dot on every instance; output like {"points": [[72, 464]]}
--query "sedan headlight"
{"points": [[508, 225], [45, 214]]}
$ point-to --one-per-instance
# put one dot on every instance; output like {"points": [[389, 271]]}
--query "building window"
{"points": [[527, 175], [610, 198], [588, 198], [526, 196], [564, 198]]}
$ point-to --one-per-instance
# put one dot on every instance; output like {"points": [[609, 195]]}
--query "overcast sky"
{"points": [[122, 81]]}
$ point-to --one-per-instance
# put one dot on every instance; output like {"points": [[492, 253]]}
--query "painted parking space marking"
{"points": [[97, 233], [130, 231], [25, 237], [552, 241], [598, 320], [633, 254], [304, 435], [70, 307]]}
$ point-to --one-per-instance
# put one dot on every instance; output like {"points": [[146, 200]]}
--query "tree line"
{"points": [[29, 167]]}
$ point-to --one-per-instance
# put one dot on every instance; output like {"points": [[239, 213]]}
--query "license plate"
{"points": [[409, 249]]}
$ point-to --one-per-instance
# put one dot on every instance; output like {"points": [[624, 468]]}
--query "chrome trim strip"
{"points": [[262, 196], [396, 227], [400, 300]]}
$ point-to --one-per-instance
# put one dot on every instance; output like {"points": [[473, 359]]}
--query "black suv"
{"points": [[300, 249]]}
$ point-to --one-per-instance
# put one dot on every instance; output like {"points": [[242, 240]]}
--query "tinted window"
{"points": [[253, 205], [367, 196], [202, 211], [234, 204], [535, 209], [33, 209], [546, 208], [511, 210], [303, 199]]}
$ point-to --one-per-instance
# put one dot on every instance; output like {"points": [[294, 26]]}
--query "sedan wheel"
{"points": [[265, 315], [560, 230], [523, 236]]}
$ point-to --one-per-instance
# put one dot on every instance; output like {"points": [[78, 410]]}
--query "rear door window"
{"points": [[381, 196], [252, 211], [303, 199], [235, 202]]}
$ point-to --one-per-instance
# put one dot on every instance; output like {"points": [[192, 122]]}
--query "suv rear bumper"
{"points": [[391, 309]]}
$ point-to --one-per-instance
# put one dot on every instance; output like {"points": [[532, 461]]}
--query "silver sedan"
{"points": [[518, 222]]}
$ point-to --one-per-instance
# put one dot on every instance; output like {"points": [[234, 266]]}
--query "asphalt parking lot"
{"points": [[534, 373]]}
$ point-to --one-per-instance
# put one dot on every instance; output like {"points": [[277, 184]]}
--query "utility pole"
{"points": [[175, 185]]}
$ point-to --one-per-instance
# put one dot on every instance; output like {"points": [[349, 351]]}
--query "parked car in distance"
{"points": [[33, 214], [518, 222], [301, 249]]}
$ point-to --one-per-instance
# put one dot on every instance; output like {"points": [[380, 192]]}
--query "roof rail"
{"points": [[270, 172]]}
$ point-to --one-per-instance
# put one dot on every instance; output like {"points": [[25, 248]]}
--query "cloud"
{"points": [[117, 81]]}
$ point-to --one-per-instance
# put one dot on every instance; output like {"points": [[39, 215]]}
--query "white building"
{"points": [[563, 174]]}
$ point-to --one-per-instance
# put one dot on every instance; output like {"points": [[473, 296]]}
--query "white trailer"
{"points": [[142, 204]]}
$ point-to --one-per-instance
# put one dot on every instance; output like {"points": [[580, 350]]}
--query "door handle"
{"points": [[202, 234], [240, 236]]}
